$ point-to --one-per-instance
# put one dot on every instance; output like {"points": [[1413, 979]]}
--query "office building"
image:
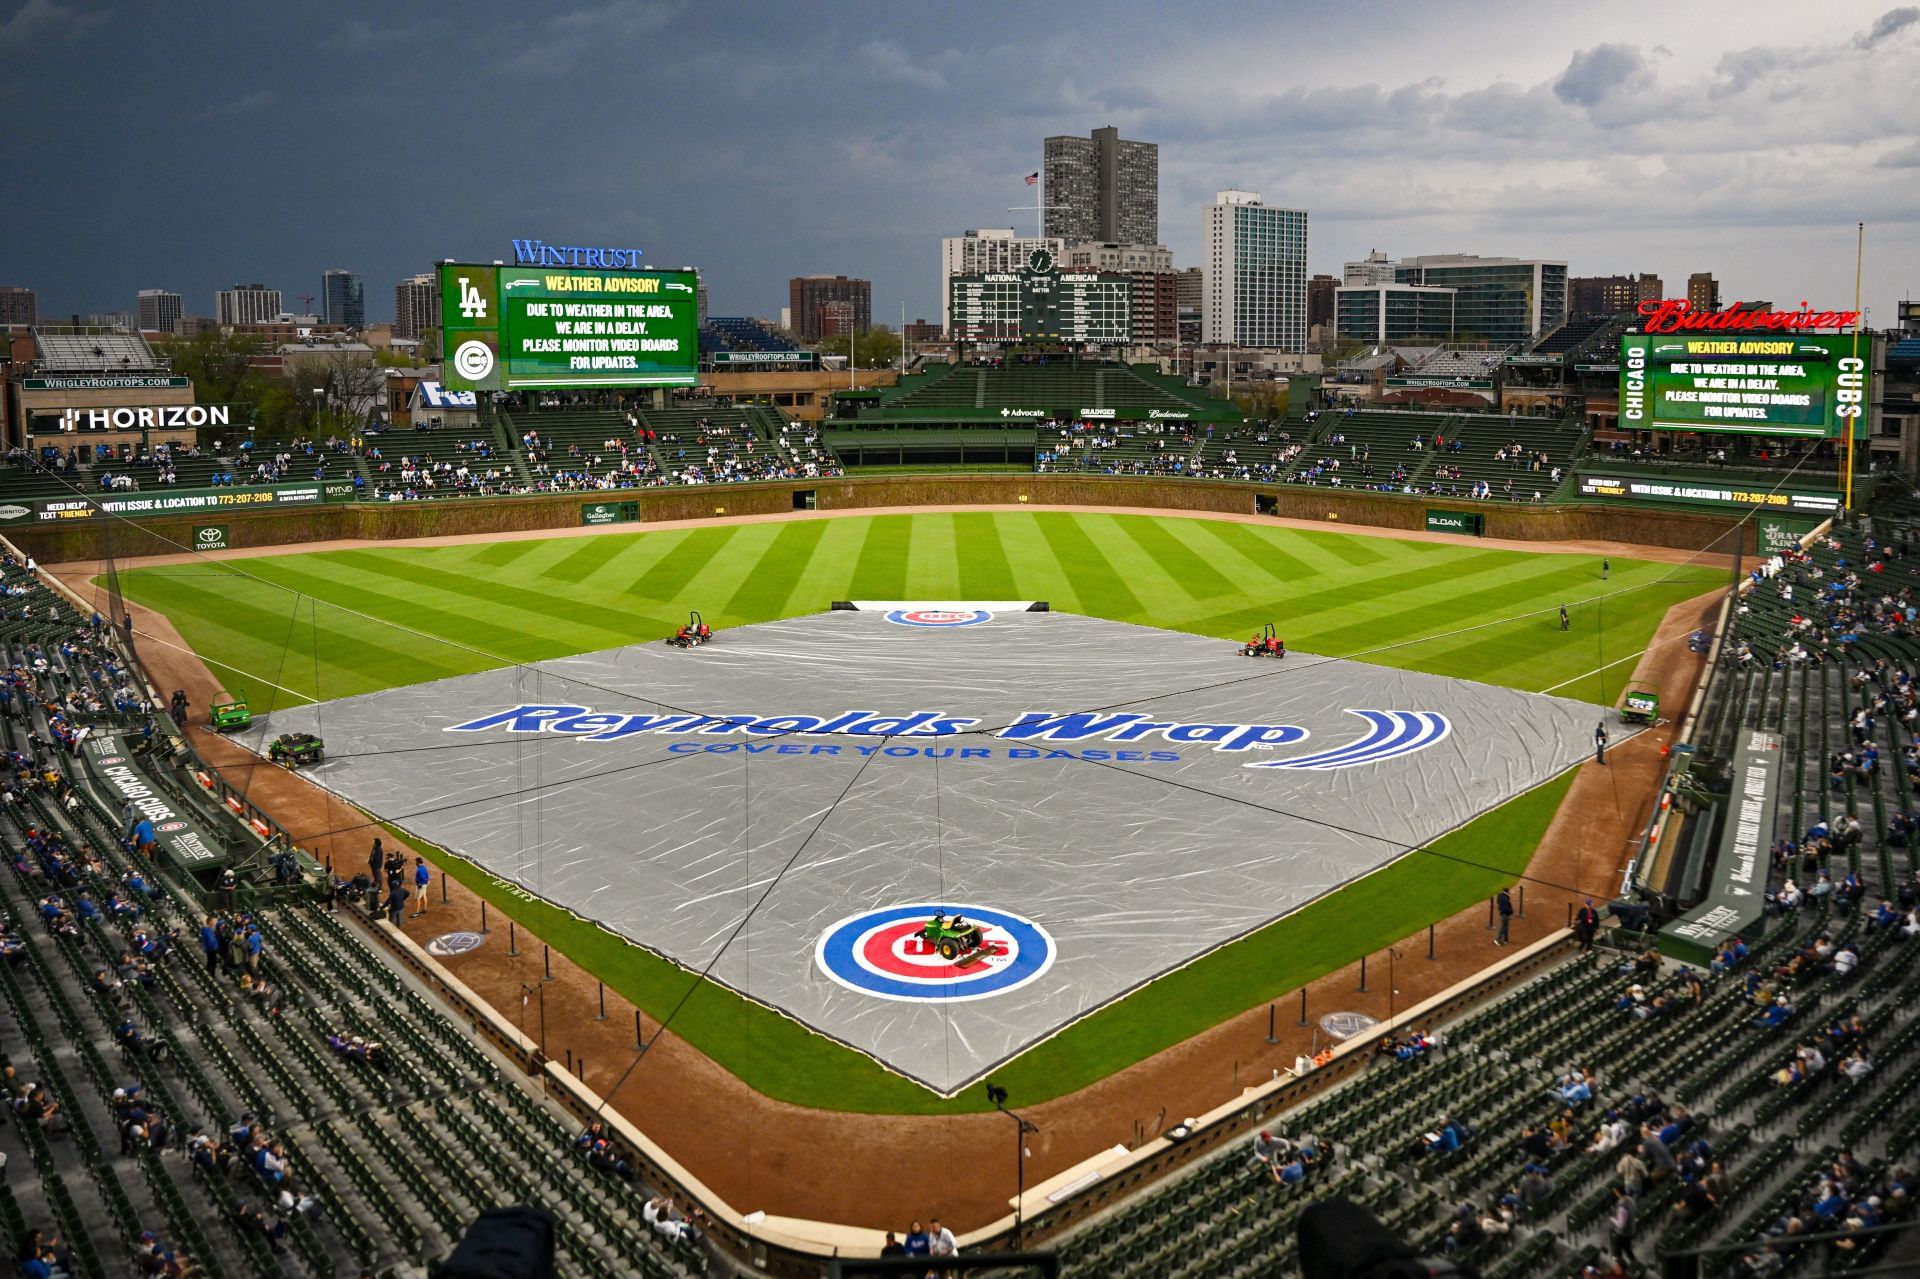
{"points": [[1703, 291], [1500, 299], [17, 306], [1192, 285], [160, 311], [1385, 314], [810, 298], [984, 253], [1124, 258], [343, 299], [1372, 269], [246, 304], [416, 305], [1256, 273], [1101, 189]]}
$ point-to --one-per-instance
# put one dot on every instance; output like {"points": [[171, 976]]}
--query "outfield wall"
{"points": [[101, 538]]}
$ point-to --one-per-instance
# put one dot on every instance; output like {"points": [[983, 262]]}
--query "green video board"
{"points": [[1780, 384], [510, 327]]}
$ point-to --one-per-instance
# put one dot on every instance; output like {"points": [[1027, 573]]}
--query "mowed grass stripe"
{"points": [[671, 574], [560, 612], [881, 571], [582, 563], [1261, 550], [410, 610], [1095, 586], [985, 573], [1037, 572], [1360, 552], [933, 565], [774, 575], [1518, 589], [1194, 574], [270, 643], [501, 554], [830, 572], [1299, 614]]}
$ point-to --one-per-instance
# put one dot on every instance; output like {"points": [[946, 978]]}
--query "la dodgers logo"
{"points": [[938, 616], [882, 953]]}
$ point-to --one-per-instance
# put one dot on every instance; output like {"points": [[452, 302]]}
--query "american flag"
{"points": [[1033, 179]]}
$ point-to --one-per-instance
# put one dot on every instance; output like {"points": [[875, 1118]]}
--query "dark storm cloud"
{"points": [[760, 141]]}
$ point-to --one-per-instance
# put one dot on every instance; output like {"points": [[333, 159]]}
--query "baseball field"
{"points": [[293, 628]]}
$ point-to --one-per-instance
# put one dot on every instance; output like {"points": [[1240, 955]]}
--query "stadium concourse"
{"points": [[747, 1147]]}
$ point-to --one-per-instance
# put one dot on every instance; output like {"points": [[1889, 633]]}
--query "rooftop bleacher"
{"points": [[1568, 334], [742, 333], [92, 351]]}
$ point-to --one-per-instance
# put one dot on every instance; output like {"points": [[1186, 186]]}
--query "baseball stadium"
{"points": [[1033, 803]]}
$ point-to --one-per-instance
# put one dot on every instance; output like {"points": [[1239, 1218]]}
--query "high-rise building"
{"points": [[1372, 269], [1649, 288], [1192, 285], [17, 305], [1156, 307], [1703, 291], [982, 253], [1320, 290], [700, 299], [1256, 273], [1610, 294], [1395, 313], [246, 304], [343, 299], [1500, 299], [1105, 189], [810, 296], [159, 311], [416, 305], [1124, 258]]}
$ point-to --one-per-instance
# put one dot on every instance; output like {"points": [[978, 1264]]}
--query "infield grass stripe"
{"points": [[670, 575], [561, 612], [985, 573], [881, 571], [587, 558], [1096, 588], [1197, 577], [770, 583], [501, 554]]}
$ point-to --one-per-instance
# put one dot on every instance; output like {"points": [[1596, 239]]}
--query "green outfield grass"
{"points": [[332, 624]]}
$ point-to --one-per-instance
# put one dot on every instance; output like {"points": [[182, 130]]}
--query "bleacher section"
{"points": [[1570, 333], [117, 1033], [92, 351], [581, 449], [1461, 362], [741, 333]]}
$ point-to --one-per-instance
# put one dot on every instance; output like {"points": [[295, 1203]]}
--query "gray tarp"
{"points": [[1133, 866]]}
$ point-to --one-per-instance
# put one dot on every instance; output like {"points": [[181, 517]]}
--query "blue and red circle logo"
{"points": [[939, 616], [170, 827], [887, 954]]}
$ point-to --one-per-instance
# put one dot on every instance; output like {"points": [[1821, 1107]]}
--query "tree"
{"points": [[877, 348]]}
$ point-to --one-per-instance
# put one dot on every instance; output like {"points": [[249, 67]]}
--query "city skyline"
{"points": [[1752, 158]]}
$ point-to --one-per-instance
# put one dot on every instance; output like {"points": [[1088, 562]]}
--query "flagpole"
{"points": [[1853, 426]]}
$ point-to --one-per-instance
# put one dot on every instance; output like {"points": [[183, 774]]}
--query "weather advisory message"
{"points": [[514, 327], [1781, 384]]}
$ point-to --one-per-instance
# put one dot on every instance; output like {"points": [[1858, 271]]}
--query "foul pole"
{"points": [[1854, 424]]}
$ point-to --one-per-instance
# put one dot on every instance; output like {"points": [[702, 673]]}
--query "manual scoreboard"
{"points": [[1041, 303]]}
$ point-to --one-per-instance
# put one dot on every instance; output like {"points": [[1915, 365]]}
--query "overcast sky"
{"points": [[193, 146]]}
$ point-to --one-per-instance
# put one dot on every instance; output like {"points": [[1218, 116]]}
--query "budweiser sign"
{"points": [[1677, 315]]}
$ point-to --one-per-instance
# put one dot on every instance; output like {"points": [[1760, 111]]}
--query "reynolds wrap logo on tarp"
{"points": [[1388, 733]]}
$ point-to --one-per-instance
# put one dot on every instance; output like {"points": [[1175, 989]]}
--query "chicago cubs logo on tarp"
{"points": [[170, 827], [886, 953], [938, 616]]}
